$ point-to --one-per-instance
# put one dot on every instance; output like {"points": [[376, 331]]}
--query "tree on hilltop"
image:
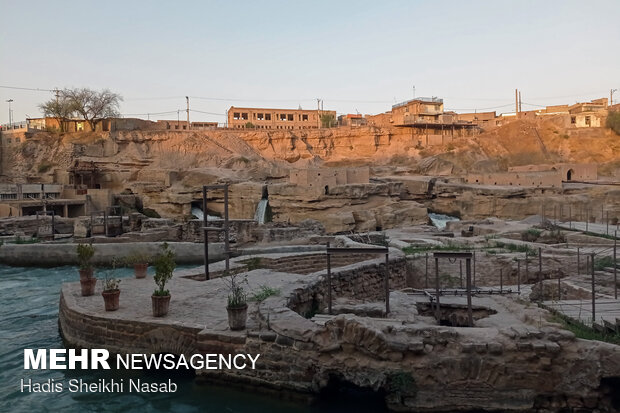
{"points": [[89, 104], [60, 108], [93, 105]]}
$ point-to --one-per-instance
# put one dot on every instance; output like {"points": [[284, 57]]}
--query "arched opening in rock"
{"points": [[340, 395], [265, 192], [569, 175]]}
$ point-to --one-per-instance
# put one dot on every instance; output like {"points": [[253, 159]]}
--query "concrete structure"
{"points": [[482, 119], [352, 120], [321, 179], [417, 111], [28, 199], [261, 118]]}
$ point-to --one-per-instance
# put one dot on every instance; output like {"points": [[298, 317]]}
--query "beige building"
{"points": [[262, 118], [321, 179]]}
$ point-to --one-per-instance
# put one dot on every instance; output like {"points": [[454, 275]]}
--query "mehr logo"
{"points": [[58, 359]]}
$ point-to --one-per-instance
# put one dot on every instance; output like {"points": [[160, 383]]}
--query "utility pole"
{"points": [[57, 92], [414, 91], [318, 111], [188, 124], [611, 96], [10, 114], [520, 108], [517, 103]]}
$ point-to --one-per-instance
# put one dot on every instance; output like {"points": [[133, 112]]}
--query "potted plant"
{"points": [[237, 307], [140, 262], [164, 266], [111, 292], [85, 253]]}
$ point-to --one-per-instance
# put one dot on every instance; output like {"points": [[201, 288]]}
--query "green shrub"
{"points": [[164, 267], [613, 121], [44, 166], [151, 213], [264, 293], [85, 253]]}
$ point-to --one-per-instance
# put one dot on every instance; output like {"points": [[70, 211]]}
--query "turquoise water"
{"points": [[29, 319]]}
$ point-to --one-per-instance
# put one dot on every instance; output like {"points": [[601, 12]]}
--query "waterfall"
{"points": [[197, 212], [440, 220], [261, 210]]}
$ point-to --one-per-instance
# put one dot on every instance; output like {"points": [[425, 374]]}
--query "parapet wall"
{"points": [[551, 179]]}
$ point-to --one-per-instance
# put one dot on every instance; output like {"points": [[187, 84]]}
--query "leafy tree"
{"points": [[61, 109], [327, 120], [92, 105], [249, 125], [613, 121]]}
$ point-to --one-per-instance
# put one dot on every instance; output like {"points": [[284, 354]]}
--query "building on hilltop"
{"points": [[427, 119], [182, 125], [262, 118], [352, 120]]}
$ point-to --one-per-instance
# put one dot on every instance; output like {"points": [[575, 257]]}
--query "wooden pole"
{"points": [[540, 274], [519, 277]]}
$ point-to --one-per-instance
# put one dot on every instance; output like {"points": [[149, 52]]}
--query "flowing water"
{"points": [[261, 211], [440, 220], [29, 319]]}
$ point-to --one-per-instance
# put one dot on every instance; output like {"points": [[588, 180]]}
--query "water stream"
{"points": [[261, 211], [440, 220]]}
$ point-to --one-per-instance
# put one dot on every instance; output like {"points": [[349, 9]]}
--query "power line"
{"points": [[26, 88]]}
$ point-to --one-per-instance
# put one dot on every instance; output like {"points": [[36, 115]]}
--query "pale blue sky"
{"points": [[356, 55]]}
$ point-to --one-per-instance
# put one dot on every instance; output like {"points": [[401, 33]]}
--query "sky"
{"points": [[357, 56]]}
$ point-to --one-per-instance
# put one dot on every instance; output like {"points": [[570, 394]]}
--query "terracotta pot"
{"points": [[139, 270], [86, 273], [237, 317], [110, 299], [88, 286], [160, 305]]}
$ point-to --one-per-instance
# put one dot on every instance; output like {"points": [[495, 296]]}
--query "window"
{"points": [[304, 117], [290, 117], [573, 120], [260, 116], [236, 115], [244, 116], [588, 121], [282, 116], [267, 116]]}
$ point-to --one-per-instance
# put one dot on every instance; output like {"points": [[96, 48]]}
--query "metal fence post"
{"points": [[615, 265], [501, 281], [468, 275], [593, 291], [540, 274], [437, 305], [519, 276], [329, 281], [426, 272], [387, 284]]}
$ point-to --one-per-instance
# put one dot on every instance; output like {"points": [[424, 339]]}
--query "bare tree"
{"points": [[60, 108], [92, 105]]}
